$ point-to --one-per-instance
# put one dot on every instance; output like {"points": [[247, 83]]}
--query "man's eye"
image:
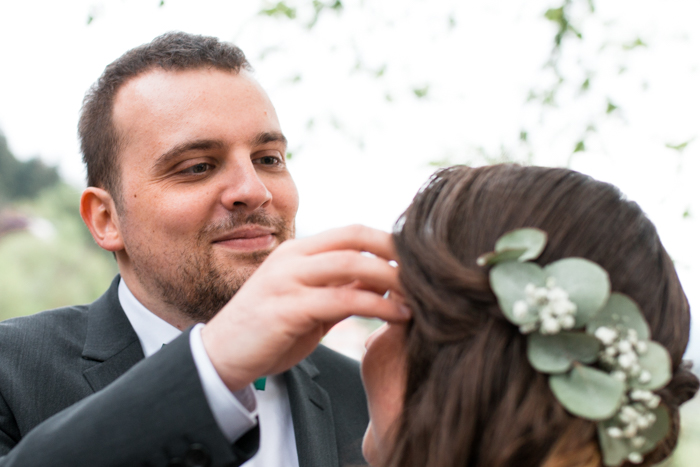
{"points": [[269, 160], [197, 168]]}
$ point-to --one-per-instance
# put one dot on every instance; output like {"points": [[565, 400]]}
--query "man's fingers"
{"points": [[341, 303], [336, 268], [353, 237], [359, 285]]}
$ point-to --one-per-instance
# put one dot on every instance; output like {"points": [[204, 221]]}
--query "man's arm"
{"points": [[155, 414]]}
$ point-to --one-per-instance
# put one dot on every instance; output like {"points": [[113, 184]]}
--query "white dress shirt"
{"points": [[235, 413]]}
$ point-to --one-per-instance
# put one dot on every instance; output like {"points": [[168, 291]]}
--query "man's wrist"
{"points": [[233, 382], [234, 412]]}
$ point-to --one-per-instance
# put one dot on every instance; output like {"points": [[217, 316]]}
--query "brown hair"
{"points": [[99, 138], [472, 398]]}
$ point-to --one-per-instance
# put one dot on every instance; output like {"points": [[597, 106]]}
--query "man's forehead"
{"points": [[166, 96], [156, 85]]}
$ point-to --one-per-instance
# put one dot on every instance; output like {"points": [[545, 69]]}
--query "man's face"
{"points": [[206, 194]]}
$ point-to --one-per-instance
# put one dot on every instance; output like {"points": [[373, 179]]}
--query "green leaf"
{"points": [[587, 284], [281, 9], [588, 393], [531, 239], [658, 431], [555, 14], [586, 85], [494, 258], [679, 147], [520, 244], [611, 108], [620, 312], [656, 361], [557, 353], [421, 92], [616, 450], [580, 146], [508, 281], [638, 42]]}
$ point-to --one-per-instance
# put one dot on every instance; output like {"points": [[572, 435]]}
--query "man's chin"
{"points": [[233, 259], [235, 274]]}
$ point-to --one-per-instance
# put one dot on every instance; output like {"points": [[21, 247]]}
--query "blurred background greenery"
{"points": [[47, 256]]}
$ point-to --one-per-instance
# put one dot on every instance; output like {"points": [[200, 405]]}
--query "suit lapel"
{"points": [[312, 417], [111, 342]]}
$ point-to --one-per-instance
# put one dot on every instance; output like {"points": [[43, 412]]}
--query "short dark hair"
{"points": [[99, 139], [471, 397]]}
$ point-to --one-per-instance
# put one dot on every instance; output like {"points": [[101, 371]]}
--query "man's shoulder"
{"points": [[41, 328], [66, 325]]}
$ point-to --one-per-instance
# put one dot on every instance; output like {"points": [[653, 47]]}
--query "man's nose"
{"points": [[245, 189]]}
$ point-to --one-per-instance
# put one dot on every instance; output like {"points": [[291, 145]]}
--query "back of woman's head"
{"points": [[472, 398]]}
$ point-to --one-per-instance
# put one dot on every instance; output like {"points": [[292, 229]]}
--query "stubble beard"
{"points": [[199, 288]]}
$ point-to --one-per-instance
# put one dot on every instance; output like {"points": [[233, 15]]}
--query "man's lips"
{"points": [[247, 238]]}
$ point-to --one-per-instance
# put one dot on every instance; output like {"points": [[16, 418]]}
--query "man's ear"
{"points": [[99, 214]]}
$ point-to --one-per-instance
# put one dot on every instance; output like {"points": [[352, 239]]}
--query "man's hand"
{"points": [[297, 294]]}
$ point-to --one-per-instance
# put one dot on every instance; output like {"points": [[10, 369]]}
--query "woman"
{"points": [[456, 387]]}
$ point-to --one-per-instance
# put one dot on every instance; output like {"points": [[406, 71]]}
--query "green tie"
{"points": [[260, 383]]}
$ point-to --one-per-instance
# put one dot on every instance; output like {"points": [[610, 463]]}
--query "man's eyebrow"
{"points": [[269, 137], [198, 145]]}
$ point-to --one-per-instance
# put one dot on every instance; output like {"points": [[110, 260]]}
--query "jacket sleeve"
{"points": [[155, 414]]}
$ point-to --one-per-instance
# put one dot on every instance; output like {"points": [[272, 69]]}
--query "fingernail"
{"points": [[405, 311]]}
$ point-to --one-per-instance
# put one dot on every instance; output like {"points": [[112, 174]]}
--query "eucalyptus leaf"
{"points": [[620, 312], [529, 239], [616, 450], [508, 282], [657, 362], [495, 258], [657, 431], [587, 284], [588, 393], [556, 353]]}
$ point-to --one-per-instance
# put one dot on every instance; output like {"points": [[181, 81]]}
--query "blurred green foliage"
{"points": [[20, 180], [54, 262], [281, 9]]}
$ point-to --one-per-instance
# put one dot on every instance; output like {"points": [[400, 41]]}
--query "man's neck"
{"points": [[159, 308], [151, 330]]}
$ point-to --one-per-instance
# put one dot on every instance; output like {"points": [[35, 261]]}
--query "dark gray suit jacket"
{"points": [[76, 391]]}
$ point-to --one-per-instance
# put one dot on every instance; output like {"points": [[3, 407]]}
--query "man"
{"points": [[188, 187]]}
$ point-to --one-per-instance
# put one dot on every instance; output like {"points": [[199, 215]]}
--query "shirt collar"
{"points": [[151, 330]]}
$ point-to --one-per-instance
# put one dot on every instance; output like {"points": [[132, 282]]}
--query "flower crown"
{"points": [[594, 344]]}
